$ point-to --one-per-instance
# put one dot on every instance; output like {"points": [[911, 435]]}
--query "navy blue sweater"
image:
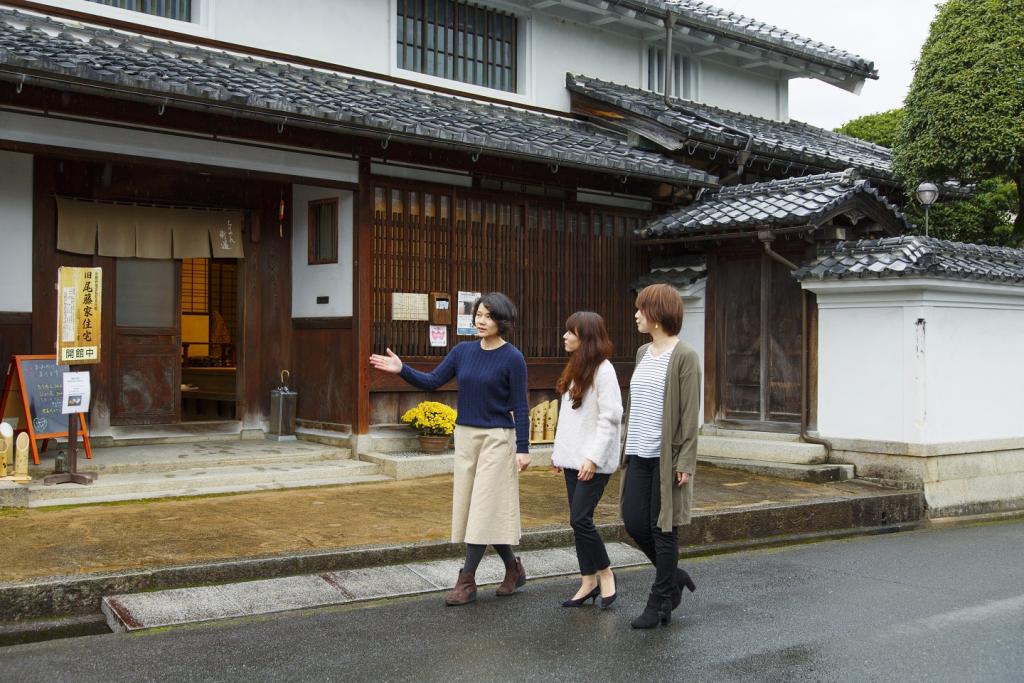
{"points": [[492, 387]]}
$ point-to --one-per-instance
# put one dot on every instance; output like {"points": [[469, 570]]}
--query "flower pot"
{"points": [[434, 444]]}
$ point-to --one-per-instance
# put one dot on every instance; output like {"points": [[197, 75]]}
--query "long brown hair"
{"points": [[595, 348]]}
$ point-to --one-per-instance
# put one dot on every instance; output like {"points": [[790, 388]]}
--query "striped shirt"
{"points": [[646, 405]]}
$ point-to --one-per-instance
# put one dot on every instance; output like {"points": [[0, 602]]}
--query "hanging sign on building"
{"points": [[79, 301]]}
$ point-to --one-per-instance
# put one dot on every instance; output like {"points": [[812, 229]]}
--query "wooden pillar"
{"points": [[711, 340], [362, 287]]}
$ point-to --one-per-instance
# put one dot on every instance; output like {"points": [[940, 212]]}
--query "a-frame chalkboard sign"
{"points": [[32, 395]]}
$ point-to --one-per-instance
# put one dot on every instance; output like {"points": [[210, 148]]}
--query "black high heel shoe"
{"points": [[652, 616], [683, 580], [592, 595], [607, 602]]}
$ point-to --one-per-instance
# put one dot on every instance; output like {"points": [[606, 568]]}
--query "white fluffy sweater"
{"points": [[593, 430]]}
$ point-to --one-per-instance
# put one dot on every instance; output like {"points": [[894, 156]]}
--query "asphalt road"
{"points": [[943, 604]]}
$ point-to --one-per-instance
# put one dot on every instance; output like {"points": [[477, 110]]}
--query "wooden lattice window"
{"points": [[459, 41], [195, 283], [551, 258], [323, 231], [168, 9]]}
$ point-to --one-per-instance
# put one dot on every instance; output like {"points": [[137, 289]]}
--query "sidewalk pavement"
{"points": [[107, 538]]}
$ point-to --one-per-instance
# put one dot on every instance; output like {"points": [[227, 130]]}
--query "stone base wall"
{"points": [[957, 478]]}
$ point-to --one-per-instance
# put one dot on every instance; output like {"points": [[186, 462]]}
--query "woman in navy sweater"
{"points": [[491, 440]]}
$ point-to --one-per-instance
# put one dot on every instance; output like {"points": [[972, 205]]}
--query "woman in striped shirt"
{"points": [[660, 452]]}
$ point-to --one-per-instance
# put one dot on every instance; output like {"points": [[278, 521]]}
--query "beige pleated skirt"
{"points": [[485, 498]]}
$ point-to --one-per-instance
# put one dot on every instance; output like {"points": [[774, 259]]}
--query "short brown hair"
{"points": [[662, 305]]}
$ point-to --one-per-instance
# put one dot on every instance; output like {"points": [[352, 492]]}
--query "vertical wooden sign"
{"points": [[79, 302]]}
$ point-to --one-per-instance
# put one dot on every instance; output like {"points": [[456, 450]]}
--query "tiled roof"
{"points": [[677, 271], [786, 142], [745, 29], [791, 202], [915, 256], [132, 66]]}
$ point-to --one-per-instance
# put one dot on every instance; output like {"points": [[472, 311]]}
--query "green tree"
{"points": [[964, 113], [882, 128], [981, 217]]}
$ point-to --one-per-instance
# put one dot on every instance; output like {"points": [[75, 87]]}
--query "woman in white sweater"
{"points": [[587, 445]]}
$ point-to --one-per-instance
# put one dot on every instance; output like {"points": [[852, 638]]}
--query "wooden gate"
{"points": [[759, 334]]}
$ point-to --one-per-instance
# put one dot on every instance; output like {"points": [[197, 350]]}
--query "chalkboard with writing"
{"points": [[44, 388], [36, 383]]}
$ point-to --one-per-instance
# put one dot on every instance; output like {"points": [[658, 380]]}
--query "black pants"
{"points": [[641, 503], [583, 498]]}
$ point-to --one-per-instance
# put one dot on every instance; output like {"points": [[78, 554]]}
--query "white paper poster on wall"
{"points": [[439, 335], [464, 326]]}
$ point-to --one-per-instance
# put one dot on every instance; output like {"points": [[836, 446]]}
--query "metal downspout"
{"points": [[766, 237]]}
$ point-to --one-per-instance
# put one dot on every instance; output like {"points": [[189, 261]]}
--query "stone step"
{"points": [[201, 480], [157, 609], [817, 474], [326, 437], [183, 432], [751, 449], [215, 490], [415, 464], [712, 430]]}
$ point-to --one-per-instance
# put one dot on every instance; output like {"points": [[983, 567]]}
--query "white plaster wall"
{"points": [[742, 91], [920, 361], [329, 279], [692, 331], [975, 365], [356, 33], [15, 232], [561, 47]]}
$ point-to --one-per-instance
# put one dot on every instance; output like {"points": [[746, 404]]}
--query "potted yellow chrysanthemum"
{"points": [[434, 423]]}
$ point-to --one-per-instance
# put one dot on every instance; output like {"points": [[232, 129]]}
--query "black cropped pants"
{"points": [[583, 499]]}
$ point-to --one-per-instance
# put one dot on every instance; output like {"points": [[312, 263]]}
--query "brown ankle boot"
{"points": [[515, 577], [464, 591]]}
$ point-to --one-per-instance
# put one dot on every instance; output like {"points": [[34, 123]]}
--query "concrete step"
{"points": [[201, 481], [415, 464], [156, 609], [817, 474], [177, 456], [326, 437], [755, 449], [214, 490], [712, 430], [183, 432]]}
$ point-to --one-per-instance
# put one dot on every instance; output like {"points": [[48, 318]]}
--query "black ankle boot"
{"points": [[683, 580], [659, 613]]}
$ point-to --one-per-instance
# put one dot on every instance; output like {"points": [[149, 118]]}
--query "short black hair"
{"points": [[503, 311]]}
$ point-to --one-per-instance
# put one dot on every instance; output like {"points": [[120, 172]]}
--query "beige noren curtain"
{"points": [[127, 231]]}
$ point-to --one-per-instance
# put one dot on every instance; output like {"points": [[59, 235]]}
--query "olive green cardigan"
{"points": [[680, 422]]}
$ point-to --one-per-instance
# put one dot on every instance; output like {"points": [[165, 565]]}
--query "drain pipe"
{"points": [[766, 237], [743, 155]]}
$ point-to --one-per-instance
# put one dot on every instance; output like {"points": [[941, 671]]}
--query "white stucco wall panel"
{"points": [[333, 280], [920, 361], [692, 331], [356, 33], [975, 366], [741, 91], [861, 364], [561, 47], [16, 232]]}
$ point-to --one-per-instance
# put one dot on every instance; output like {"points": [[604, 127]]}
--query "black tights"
{"points": [[475, 553]]}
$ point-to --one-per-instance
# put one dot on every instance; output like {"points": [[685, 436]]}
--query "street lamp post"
{"points": [[926, 194]]}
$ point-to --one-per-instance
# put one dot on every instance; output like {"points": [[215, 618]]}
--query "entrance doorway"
{"points": [[176, 327], [209, 324], [759, 329]]}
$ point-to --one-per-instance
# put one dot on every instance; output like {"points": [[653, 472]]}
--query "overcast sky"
{"points": [[888, 32]]}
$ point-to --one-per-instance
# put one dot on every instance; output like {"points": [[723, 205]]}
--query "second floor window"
{"points": [[459, 41], [656, 72], [168, 9]]}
